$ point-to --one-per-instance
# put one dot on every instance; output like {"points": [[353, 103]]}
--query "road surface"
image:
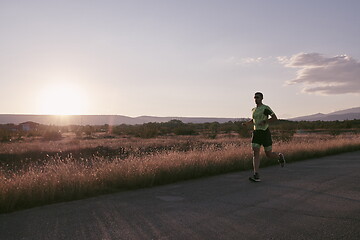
{"points": [[313, 199]]}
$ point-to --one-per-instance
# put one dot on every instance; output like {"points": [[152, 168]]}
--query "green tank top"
{"points": [[260, 114]]}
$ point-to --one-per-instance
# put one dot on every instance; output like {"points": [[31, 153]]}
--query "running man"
{"points": [[261, 134]]}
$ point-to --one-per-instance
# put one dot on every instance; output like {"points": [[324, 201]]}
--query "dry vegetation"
{"points": [[38, 172]]}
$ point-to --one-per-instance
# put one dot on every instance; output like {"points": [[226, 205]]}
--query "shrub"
{"points": [[52, 135], [185, 130], [5, 135], [244, 132], [148, 130], [283, 136]]}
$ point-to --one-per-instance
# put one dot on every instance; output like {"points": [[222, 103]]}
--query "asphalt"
{"points": [[313, 199]]}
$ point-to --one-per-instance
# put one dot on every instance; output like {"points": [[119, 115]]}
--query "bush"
{"points": [[52, 135], [185, 130], [283, 136], [5, 136], [244, 132], [148, 130]]}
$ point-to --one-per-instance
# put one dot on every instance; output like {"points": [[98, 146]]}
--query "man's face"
{"points": [[258, 98]]}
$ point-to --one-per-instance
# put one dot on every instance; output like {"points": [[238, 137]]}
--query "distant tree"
{"points": [[52, 135], [228, 127], [89, 130], [148, 130], [5, 135], [244, 132], [186, 129]]}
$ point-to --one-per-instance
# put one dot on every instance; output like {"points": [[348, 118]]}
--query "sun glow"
{"points": [[62, 99]]}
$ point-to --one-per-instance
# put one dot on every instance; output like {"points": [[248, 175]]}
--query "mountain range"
{"points": [[102, 119], [347, 114]]}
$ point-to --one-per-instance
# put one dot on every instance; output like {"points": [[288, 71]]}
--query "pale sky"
{"points": [[185, 58]]}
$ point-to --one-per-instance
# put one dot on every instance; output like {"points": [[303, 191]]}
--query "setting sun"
{"points": [[62, 99]]}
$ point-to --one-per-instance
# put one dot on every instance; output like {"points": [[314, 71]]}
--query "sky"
{"points": [[188, 58]]}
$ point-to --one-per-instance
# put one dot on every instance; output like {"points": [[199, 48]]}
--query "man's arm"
{"points": [[248, 122], [272, 119]]}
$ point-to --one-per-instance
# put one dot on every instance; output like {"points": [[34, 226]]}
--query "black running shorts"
{"points": [[261, 137]]}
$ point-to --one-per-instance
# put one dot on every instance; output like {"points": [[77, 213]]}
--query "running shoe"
{"points": [[255, 178], [281, 160]]}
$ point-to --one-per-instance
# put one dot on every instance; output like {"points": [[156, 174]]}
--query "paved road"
{"points": [[314, 199]]}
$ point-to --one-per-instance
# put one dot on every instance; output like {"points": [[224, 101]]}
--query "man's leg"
{"points": [[268, 149], [279, 156], [256, 158], [270, 154]]}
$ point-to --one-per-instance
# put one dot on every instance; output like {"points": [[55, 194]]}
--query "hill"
{"points": [[102, 119], [347, 114]]}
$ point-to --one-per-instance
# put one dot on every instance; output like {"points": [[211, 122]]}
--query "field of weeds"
{"points": [[37, 173]]}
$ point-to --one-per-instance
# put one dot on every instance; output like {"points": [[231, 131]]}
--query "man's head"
{"points": [[258, 97]]}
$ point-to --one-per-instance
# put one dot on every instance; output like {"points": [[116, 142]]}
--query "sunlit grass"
{"points": [[68, 178]]}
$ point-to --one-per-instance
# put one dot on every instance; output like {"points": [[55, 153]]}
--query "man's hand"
{"points": [[247, 123]]}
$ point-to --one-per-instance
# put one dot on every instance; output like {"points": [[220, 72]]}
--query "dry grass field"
{"points": [[37, 172]]}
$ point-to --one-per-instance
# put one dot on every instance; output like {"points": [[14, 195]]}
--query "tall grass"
{"points": [[63, 179]]}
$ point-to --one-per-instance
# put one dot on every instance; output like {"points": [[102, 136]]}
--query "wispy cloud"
{"points": [[251, 60], [324, 75], [240, 61]]}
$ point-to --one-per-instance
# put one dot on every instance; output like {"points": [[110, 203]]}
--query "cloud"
{"points": [[252, 60], [237, 61], [240, 62], [324, 75]]}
